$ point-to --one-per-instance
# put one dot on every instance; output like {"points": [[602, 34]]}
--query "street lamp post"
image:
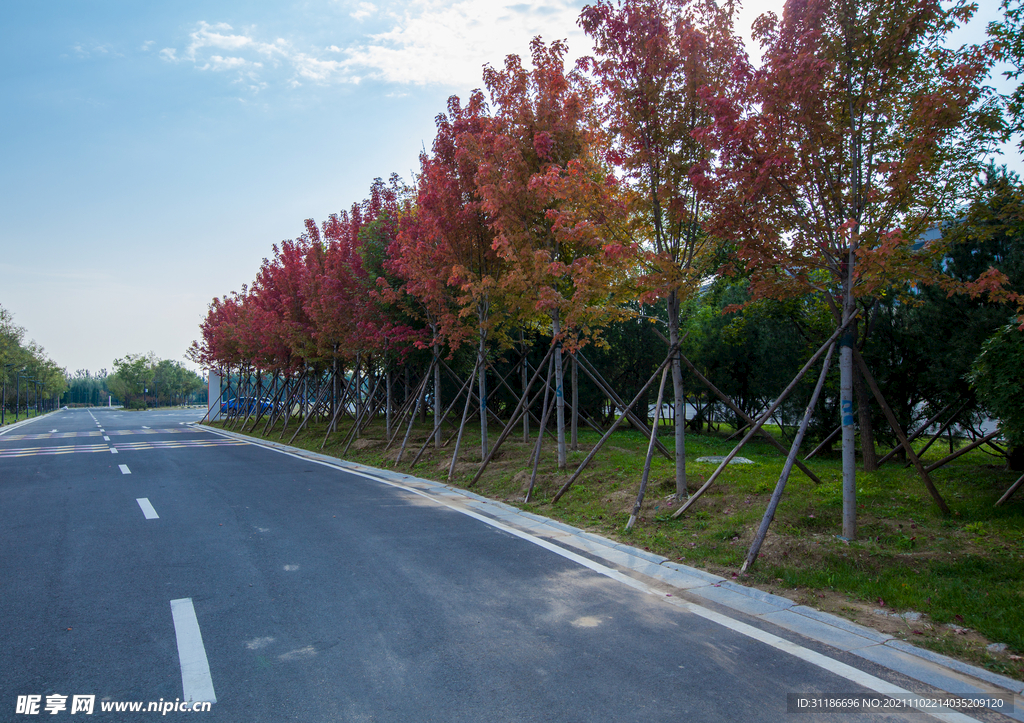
{"points": [[3, 402], [17, 398], [35, 398]]}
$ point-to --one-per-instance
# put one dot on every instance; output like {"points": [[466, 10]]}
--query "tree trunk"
{"points": [[437, 403], [482, 361], [846, 372], [849, 438], [387, 407], [556, 329], [1015, 458], [574, 438], [867, 432], [780, 486], [526, 417], [679, 401]]}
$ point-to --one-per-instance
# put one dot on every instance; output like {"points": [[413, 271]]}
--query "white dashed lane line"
{"points": [[113, 450], [147, 508], [196, 682], [124, 469]]}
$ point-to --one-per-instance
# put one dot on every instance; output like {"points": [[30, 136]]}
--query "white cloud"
{"points": [[96, 50], [363, 11], [448, 43], [220, 36], [218, 62], [424, 42], [319, 71]]}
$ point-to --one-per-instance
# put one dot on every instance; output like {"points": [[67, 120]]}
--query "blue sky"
{"points": [[151, 153]]}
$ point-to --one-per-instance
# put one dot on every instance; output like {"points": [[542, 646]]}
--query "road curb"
{"points": [[948, 674], [15, 425]]}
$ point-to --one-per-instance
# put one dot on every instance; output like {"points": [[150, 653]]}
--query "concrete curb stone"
{"points": [[21, 423]]}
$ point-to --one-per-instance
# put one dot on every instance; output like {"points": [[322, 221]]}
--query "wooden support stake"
{"points": [[321, 393], [525, 374], [738, 432], [899, 433], [342, 400], [408, 406], [825, 443], [296, 392], [512, 421], [499, 420], [419, 401], [963, 450], [625, 412], [1010, 491], [591, 371], [273, 386], [215, 404], [354, 432], [650, 453], [534, 416], [889, 455], [543, 425], [462, 424], [743, 415], [780, 486], [759, 423], [437, 421]]}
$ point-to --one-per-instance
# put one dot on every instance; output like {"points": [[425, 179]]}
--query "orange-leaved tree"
{"points": [[444, 249], [553, 204], [859, 132], [654, 59]]}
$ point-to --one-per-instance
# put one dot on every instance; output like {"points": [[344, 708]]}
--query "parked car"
{"points": [[246, 405]]}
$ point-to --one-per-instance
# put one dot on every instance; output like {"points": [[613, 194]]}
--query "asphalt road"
{"points": [[325, 596]]}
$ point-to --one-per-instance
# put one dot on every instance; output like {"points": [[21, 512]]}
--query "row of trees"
{"points": [[142, 380], [559, 205], [30, 379]]}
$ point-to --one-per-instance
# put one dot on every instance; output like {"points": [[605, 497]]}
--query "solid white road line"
{"points": [[124, 469], [196, 683], [147, 508]]}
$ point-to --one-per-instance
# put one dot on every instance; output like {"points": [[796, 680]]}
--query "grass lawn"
{"points": [[964, 573]]}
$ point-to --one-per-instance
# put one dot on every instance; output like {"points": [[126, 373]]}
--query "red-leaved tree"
{"points": [[860, 131]]}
